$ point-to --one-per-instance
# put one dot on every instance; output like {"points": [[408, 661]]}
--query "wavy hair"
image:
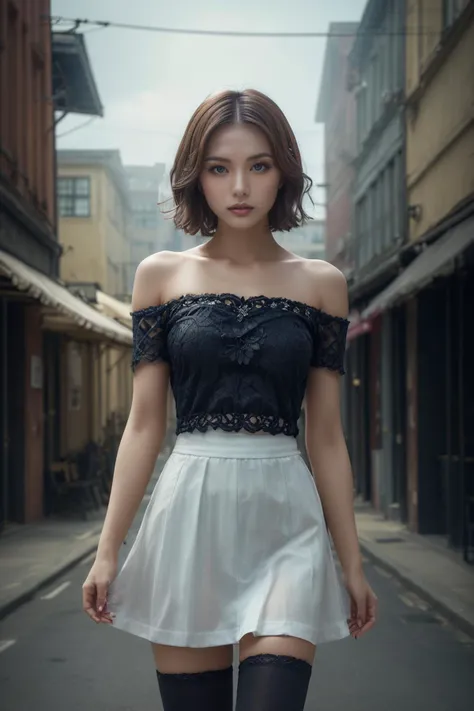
{"points": [[192, 214]]}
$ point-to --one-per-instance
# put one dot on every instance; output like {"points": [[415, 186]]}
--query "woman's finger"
{"points": [[368, 625], [101, 596], [88, 600], [371, 605], [362, 610]]}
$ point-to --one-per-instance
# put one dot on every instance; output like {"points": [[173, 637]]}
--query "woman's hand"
{"points": [[95, 588], [363, 604]]}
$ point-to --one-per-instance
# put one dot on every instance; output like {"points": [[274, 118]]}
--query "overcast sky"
{"points": [[150, 83]]}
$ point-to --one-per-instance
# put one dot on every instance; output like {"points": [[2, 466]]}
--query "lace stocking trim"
{"points": [[278, 660]]}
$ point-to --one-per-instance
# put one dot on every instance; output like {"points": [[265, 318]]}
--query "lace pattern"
{"points": [[233, 422], [149, 335], [330, 342], [245, 305], [277, 660], [231, 357]]}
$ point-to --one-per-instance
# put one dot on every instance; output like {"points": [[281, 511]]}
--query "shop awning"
{"points": [[63, 310], [74, 87], [357, 326], [114, 308], [436, 260]]}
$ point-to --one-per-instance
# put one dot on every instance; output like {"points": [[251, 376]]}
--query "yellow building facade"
{"points": [[440, 110], [94, 208], [93, 224]]}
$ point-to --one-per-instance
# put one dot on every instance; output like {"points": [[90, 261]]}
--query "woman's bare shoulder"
{"points": [[152, 276], [327, 286]]}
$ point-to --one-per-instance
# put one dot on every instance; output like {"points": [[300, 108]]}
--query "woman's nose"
{"points": [[240, 186]]}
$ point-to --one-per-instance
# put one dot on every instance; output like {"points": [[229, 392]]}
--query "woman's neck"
{"points": [[243, 246]]}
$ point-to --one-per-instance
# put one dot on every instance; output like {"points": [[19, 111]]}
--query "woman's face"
{"points": [[239, 170]]}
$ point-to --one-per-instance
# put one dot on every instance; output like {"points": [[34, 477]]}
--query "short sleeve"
{"points": [[149, 335], [330, 333]]}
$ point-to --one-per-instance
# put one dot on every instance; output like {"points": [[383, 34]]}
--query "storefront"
{"points": [[437, 291], [59, 381]]}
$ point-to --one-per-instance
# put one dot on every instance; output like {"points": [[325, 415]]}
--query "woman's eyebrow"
{"points": [[227, 160]]}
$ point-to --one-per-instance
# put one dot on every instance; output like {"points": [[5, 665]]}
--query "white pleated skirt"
{"points": [[233, 541]]}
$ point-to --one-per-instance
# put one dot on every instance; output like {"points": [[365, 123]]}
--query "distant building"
{"points": [[336, 110], [148, 227], [307, 241], [94, 208], [174, 239]]}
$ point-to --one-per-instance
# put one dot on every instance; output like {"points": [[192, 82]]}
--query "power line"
{"points": [[76, 128], [229, 33]]}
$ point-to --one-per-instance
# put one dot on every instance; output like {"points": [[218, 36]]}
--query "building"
{"points": [[336, 110], [27, 194], [94, 209], [436, 287], [306, 241], [375, 387], [148, 232], [42, 77]]}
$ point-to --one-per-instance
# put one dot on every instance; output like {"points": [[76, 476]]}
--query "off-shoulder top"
{"points": [[238, 363]]}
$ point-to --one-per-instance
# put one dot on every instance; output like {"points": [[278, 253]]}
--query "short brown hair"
{"points": [[192, 213]]}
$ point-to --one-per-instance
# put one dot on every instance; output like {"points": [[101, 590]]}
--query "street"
{"points": [[52, 657]]}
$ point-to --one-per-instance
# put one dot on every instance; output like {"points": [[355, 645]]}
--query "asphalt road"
{"points": [[52, 657]]}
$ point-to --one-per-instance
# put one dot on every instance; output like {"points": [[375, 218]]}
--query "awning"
{"points": [[436, 260], [357, 326], [64, 311], [74, 87], [114, 308]]}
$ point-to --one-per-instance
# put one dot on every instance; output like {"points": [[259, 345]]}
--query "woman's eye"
{"points": [[260, 167], [218, 169]]}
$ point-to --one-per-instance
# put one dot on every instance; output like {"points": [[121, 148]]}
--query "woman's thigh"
{"points": [[250, 646], [190, 660]]}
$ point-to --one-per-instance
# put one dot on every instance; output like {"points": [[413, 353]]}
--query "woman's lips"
{"points": [[241, 211]]}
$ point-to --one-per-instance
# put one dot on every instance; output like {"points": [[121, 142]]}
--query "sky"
{"points": [[151, 82]]}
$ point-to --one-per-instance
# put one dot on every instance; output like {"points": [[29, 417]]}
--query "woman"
{"points": [[233, 547]]}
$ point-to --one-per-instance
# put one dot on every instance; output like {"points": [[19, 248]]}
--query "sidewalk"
{"points": [[34, 555], [434, 572]]}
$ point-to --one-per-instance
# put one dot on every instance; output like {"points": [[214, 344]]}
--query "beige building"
{"points": [[94, 217], [440, 116]]}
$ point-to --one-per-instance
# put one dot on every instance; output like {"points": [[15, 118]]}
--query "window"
{"points": [[74, 199]]}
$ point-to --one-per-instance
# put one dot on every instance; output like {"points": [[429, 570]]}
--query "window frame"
{"points": [[74, 196]]}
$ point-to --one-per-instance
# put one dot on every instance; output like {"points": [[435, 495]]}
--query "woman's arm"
{"points": [[330, 463], [137, 454], [327, 452], [136, 457]]}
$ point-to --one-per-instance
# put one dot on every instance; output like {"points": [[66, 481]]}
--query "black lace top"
{"points": [[238, 363]]}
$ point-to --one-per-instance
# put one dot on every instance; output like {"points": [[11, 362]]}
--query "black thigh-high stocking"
{"points": [[272, 682], [200, 691]]}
